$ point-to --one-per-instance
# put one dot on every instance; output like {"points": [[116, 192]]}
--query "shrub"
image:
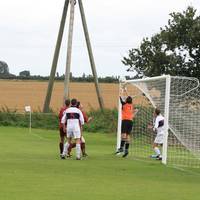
{"points": [[105, 121]]}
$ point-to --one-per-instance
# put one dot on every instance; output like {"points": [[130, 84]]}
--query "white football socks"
{"points": [[65, 150], [157, 151], [78, 151]]}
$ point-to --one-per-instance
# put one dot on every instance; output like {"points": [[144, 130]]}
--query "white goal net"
{"points": [[178, 98]]}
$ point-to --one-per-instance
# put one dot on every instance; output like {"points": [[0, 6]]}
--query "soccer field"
{"points": [[30, 169]]}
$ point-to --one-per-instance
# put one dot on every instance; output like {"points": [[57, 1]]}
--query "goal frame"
{"points": [[166, 109]]}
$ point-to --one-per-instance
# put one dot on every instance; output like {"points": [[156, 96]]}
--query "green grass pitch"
{"points": [[30, 169]]}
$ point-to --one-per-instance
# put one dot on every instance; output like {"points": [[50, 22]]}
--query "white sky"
{"points": [[29, 31]]}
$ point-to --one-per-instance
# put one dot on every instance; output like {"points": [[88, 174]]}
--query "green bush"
{"points": [[102, 121], [105, 121], [39, 120]]}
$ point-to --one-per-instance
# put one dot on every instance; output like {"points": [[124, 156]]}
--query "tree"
{"points": [[4, 70], [24, 73], [175, 50]]}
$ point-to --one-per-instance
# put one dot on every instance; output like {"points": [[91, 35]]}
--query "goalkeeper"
{"points": [[158, 127], [127, 122]]}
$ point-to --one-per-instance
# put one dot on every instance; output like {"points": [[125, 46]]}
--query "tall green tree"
{"points": [[175, 50]]}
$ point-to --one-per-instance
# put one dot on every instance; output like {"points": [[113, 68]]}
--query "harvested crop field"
{"points": [[15, 94]]}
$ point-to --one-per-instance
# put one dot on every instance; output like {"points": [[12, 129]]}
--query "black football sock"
{"points": [[61, 147], [122, 144], [126, 147]]}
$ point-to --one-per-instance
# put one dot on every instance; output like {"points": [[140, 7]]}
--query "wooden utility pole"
{"points": [[69, 51], [55, 58], [91, 57], [69, 54]]}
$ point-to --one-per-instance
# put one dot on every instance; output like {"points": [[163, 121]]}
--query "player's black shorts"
{"points": [[127, 126]]}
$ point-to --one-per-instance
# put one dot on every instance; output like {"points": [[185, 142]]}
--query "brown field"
{"points": [[15, 94]]}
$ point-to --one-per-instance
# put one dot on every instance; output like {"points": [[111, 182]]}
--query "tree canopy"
{"points": [[4, 70], [175, 50], [24, 73]]}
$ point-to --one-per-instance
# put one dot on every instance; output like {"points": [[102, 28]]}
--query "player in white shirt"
{"points": [[72, 121], [158, 127]]}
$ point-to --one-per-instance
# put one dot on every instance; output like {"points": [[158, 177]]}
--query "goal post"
{"points": [[166, 116], [119, 120], [178, 98]]}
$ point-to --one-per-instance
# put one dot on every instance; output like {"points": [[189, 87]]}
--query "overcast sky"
{"points": [[29, 31]]}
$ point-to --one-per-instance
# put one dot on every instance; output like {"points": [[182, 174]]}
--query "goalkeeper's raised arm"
{"points": [[124, 92], [123, 95]]}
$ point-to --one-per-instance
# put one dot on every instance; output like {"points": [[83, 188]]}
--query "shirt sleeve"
{"points": [[156, 124], [81, 118], [122, 101], [60, 114], [85, 117], [63, 120]]}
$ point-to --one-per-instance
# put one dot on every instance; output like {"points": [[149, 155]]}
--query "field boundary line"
{"points": [[38, 136], [184, 170]]}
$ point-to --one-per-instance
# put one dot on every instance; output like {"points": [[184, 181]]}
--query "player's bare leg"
{"points": [[157, 152], [71, 146], [83, 147]]}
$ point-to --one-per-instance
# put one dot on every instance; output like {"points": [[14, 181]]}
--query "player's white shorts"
{"points": [[73, 132], [159, 138]]}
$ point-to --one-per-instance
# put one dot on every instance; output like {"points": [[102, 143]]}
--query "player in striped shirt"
{"points": [[158, 127], [83, 145], [73, 121]]}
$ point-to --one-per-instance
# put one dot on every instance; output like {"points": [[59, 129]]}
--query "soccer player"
{"points": [[86, 120], [72, 121], [158, 127], [62, 134], [127, 123]]}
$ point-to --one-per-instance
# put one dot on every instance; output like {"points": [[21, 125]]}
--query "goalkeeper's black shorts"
{"points": [[127, 126]]}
